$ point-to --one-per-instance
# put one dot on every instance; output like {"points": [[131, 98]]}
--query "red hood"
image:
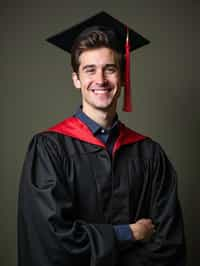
{"points": [[75, 128]]}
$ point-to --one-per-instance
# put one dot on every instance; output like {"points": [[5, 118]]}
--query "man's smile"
{"points": [[101, 90]]}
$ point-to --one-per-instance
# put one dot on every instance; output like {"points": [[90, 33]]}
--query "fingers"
{"points": [[147, 222], [143, 229]]}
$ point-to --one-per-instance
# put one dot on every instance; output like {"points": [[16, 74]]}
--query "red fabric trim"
{"points": [[126, 136], [75, 128]]}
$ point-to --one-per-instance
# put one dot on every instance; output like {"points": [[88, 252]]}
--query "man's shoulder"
{"points": [[66, 135], [49, 137], [62, 128], [145, 139], [145, 144]]}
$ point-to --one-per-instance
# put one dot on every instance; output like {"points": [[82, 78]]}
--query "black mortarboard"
{"points": [[127, 39]]}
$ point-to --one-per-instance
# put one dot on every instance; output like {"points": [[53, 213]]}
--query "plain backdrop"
{"points": [[36, 92]]}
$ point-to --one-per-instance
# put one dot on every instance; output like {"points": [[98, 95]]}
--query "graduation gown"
{"points": [[72, 193]]}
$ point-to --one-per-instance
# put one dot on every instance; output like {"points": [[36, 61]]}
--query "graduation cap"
{"points": [[125, 38]]}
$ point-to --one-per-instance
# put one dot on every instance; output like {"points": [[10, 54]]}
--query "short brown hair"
{"points": [[93, 39]]}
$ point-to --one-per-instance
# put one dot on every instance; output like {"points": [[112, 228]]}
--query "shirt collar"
{"points": [[92, 125]]}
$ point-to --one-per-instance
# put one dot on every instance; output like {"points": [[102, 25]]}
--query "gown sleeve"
{"points": [[167, 246], [48, 232]]}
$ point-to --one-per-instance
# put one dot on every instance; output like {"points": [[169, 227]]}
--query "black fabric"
{"points": [[72, 193], [114, 29]]}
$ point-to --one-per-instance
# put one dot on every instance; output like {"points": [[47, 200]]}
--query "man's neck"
{"points": [[101, 117]]}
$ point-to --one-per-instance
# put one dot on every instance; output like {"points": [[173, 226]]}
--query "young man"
{"points": [[94, 192]]}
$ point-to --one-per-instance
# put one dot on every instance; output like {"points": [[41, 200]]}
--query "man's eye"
{"points": [[89, 70], [111, 70]]}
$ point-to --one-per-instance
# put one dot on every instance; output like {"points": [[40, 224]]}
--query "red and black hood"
{"points": [[75, 128]]}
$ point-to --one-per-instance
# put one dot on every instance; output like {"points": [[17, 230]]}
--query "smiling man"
{"points": [[99, 80], [94, 192]]}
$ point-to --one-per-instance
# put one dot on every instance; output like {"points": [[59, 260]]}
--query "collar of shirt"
{"points": [[102, 133]]}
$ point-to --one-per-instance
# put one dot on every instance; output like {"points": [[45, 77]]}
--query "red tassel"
{"points": [[127, 86]]}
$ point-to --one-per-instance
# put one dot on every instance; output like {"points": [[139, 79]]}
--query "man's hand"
{"points": [[142, 229]]}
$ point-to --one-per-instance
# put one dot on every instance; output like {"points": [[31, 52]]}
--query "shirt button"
{"points": [[102, 131]]}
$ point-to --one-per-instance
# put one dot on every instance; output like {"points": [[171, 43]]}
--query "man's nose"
{"points": [[100, 77]]}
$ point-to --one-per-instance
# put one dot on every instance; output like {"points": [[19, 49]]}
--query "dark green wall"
{"points": [[36, 92]]}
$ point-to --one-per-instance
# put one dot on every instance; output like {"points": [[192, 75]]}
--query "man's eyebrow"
{"points": [[111, 65], [94, 66], [88, 66]]}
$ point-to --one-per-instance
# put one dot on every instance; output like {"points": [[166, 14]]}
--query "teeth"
{"points": [[99, 91]]}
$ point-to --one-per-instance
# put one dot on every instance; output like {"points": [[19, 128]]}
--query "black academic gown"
{"points": [[72, 193]]}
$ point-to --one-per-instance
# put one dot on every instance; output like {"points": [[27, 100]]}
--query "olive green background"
{"points": [[36, 92]]}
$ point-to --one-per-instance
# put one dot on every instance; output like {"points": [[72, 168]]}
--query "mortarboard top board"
{"points": [[65, 39], [123, 38]]}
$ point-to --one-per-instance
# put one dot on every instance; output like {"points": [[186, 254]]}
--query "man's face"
{"points": [[98, 79]]}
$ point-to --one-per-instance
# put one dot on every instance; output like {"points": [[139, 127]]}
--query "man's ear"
{"points": [[76, 80]]}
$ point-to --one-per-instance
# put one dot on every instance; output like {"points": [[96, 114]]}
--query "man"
{"points": [[94, 192]]}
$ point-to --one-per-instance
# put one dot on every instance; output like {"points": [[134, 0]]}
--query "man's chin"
{"points": [[105, 107]]}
